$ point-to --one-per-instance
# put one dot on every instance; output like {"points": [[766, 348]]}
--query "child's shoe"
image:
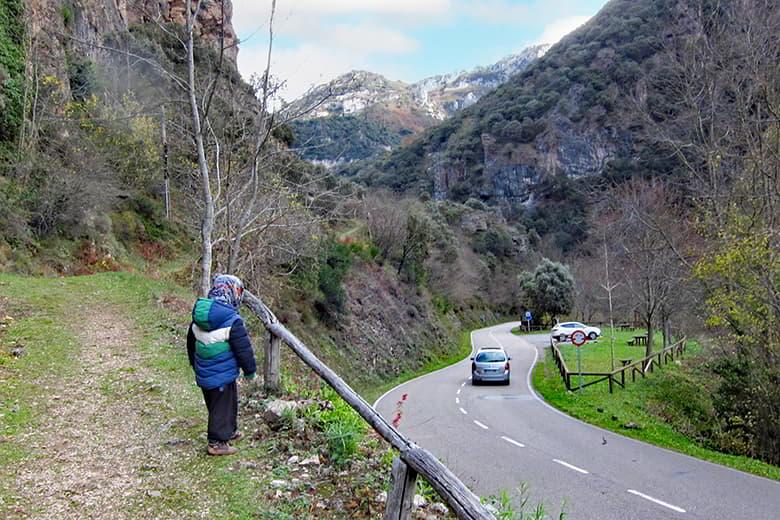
{"points": [[220, 448]]}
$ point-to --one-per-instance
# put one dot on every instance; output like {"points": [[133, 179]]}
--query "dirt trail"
{"points": [[97, 456]]}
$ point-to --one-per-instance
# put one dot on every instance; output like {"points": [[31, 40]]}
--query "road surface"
{"points": [[497, 437]]}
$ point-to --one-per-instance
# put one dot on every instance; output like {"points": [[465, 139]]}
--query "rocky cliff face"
{"points": [[59, 25], [214, 24], [570, 113]]}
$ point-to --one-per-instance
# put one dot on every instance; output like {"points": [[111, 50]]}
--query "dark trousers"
{"points": [[222, 404]]}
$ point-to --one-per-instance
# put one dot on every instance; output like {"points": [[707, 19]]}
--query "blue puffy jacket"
{"points": [[218, 344]]}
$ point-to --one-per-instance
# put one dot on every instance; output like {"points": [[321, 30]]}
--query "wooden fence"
{"points": [[412, 461], [618, 376]]}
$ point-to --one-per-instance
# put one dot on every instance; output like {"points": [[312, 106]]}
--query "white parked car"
{"points": [[562, 331]]}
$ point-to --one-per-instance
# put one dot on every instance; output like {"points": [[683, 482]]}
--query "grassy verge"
{"points": [[463, 350], [596, 354], [32, 344], [638, 411], [521, 331]]}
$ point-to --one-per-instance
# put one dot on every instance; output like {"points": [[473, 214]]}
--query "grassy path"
{"points": [[100, 417], [90, 425]]}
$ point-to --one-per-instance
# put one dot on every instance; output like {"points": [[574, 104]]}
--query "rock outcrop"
{"points": [[210, 23], [61, 31]]}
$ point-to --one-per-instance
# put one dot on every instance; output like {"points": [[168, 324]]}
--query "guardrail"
{"points": [[412, 460], [618, 376]]}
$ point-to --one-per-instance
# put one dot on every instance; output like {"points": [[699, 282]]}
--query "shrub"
{"points": [[337, 262], [343, 428], [11, 72]]}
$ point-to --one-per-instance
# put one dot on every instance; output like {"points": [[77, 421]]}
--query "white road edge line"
{"points": [[571, 466], [464, 412], [659, 502], [481, 425], [426, 375], [512, 441], [457, 400]]}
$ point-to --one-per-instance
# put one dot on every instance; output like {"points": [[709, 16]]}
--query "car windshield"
{"points": [[490, 357]]}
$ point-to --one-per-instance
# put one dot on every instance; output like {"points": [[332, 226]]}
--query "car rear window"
{"points": [[490, 357]]}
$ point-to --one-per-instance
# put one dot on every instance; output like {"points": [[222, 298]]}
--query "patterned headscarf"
{"points": [[227, 289]]}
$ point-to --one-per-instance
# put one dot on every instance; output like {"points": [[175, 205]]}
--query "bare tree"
{"points": [[646, 236]]}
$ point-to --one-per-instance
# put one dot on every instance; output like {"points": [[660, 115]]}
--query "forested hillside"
{"points": [[640, 147], [570, 115]]}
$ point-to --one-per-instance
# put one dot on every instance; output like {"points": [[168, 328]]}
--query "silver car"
{"points": [[490, 364]]}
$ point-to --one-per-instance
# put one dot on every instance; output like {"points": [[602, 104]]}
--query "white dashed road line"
{"points": [[463, 383], [459, 390], [570, 466], [457, 400], [464, 412], [481, 425], [512, 441], [659, 502]]}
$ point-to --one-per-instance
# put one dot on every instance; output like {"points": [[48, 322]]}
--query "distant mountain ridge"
{"points": [[365, 113]]}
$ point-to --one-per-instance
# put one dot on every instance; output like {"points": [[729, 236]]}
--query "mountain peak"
{"points": [[398, 109]]}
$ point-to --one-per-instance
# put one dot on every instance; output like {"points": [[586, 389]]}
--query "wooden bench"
{"points": [[638, 341]]}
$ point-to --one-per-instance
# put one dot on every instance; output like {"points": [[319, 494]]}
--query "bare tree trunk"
{"points": [[666, 329], [166, 171], [650, 332], [207, 222]]}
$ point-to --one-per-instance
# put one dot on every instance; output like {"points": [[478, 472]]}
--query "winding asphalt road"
{"points": [[497, 437]]}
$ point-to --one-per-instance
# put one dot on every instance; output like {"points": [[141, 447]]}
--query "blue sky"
{"points": [[317, 40]]}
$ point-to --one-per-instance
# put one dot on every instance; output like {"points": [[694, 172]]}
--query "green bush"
{"points": [[336, 264], [343, 428], [11, 72]]}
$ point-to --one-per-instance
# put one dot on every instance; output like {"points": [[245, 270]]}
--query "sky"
{"points": [[408, 40]]}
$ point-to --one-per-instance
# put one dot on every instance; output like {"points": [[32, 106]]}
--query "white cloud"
{"points": [[296, 16], [380, 7], [370, 38], [557, 29], [301, 67]]}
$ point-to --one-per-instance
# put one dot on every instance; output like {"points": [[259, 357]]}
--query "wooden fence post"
{"points": [[400, 500], [271, 380]]}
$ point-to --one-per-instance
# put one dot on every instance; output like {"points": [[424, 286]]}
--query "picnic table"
{"points": [[639, 340]]}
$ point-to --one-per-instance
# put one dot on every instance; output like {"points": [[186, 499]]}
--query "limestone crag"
{"points": [[63, 29], [210, 26]]}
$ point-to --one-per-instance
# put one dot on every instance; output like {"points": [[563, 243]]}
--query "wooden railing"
{"points": [[618, 376], [412, 461]]}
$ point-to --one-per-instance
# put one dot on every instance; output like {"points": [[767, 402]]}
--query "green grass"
{"points": [[48, 348], [463, 350], [521, 331], [163, 385], [168, 392], [637, 404], [596, 354]]}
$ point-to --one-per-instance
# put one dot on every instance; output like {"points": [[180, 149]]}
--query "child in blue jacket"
{"points": [[218, 346]]}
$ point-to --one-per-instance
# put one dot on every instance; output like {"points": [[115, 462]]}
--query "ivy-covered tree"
{"points": [[549, 289]]}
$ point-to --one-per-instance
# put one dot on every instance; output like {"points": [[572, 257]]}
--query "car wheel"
{"points": [[562, 338], [592, 336], [474, 381], [506, 382]]}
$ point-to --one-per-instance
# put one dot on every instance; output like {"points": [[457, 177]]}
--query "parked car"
{"points": [[562, 331], [490, 364]]}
